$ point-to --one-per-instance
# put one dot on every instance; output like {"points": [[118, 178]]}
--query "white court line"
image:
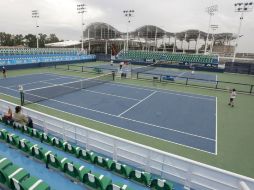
{"points": [[173, 93], [137, 104], [216, 128], [43, 81], [162, 90], [107, 94], [186, 146], [169, 129], [156, 126]]}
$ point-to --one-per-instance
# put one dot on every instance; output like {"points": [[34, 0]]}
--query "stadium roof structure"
{"points": [[67, 43], [100, 30]]}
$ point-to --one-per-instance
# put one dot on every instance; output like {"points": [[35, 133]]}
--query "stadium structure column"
{"points": [[174, 48], [211, 11], [214, 28], [35, 15], [241, 8], [197, 41], [81, 8], [128, 14]]}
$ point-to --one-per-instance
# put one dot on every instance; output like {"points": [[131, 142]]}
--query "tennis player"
{"points": [[232, 98], [4, 72]]}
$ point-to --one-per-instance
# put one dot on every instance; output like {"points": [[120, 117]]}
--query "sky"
{"points": [[61, 17]]}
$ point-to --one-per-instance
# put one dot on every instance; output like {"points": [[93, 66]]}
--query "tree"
{"points": [[30, 40], [52, 38]]}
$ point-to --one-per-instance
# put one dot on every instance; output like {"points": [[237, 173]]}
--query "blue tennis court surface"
{"points": [[181, 118]]}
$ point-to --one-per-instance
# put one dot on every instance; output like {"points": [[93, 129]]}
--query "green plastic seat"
{"points": [[33, 183], [26, 129], [14, 172], [160, 184], [39, 153], [69, 148], [12, 139], [56, 161], [118, 186], [141, 177], [45, 138], [25, 145], [3, 134], [97, 181], [71, 170], [4, 163], [103, 162], [121, 169], [35, 133], [56, 142], [82, 171]]}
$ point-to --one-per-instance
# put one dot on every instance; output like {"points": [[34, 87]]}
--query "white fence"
{"points": [[172, 167]]}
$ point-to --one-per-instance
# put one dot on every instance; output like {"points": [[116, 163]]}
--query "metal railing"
{"points": [[192, 81]]}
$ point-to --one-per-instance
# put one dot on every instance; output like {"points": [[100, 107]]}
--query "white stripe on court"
{"points": [[156, 126], [137, 104], [43, 81], [102, 93], [197, 96]]}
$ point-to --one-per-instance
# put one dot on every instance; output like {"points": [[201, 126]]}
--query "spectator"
{"points": [[8, 115], [19, 117], [4, 72]]}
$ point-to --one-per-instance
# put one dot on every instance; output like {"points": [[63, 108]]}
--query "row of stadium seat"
{"points": [[20, 51], [31, 56], [78, 171], [160, 56], [16, 178]]}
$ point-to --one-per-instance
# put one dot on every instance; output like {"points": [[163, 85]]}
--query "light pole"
{"points": [[128, 14], [81, 8], [214, 28], [241, 8], [35, 15], [211, 11]]}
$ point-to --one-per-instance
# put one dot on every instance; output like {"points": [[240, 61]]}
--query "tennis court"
{"points": [[186, 119]]}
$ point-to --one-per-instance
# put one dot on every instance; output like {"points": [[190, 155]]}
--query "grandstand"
{"points": [[100, 37], [141, 109]]}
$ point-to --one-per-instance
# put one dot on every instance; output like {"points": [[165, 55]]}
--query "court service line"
{"points": [[149, 124], [174, 93], [43, 81], [163, 91], [137, 103], [102, 93], [183, 145]]}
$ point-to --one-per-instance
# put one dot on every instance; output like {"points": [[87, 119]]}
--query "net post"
{"points": [[217, 82], [187, 79], [251, 88], [113, 75]]}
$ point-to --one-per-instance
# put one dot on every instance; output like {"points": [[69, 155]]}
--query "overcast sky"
{"points": [[60, 16]]}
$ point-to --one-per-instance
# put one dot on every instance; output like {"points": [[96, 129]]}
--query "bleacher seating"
{"points": [[38, 51], [162, 56], [74, 170], [14, 177]]}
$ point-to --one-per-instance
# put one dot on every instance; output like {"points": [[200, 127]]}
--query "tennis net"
{"points": [[143, 69], [56, 90]]}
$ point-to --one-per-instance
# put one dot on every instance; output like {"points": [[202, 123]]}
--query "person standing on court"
{"points": [[22, 98], [4, 72], [232, 97]]}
